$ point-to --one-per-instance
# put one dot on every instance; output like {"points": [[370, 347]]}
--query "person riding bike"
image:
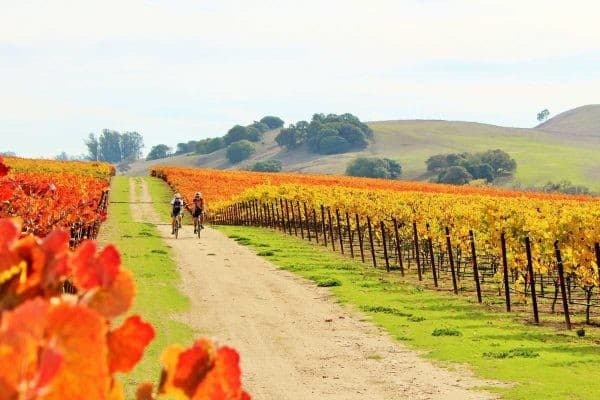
{"points": [[197, 211], [177, 211]]}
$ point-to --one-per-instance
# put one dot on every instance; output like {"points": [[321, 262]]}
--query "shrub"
{"points": [[239, 151], [267, 166], [333, 144], [272, 122], [455, 175], [374, 167]]}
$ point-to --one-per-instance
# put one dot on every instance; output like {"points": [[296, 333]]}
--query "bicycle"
{"points": [[176, 225], [198, 226]]}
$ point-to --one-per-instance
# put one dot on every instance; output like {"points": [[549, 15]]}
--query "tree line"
{"points": [[114, 147], [327, 134], [238, 140]]}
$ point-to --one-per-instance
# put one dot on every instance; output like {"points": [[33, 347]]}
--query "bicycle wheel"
{"points": [[176, 230], [199, 229]]}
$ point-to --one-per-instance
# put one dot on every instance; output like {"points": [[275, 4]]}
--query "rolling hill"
{"points": [[558, 149], [581, 121]]}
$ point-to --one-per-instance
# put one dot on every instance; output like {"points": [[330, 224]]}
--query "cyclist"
{"points": [[178, 204], [197, 211]]}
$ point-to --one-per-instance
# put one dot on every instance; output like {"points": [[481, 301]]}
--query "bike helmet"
{"points": [[198, 194], [177, 196]]}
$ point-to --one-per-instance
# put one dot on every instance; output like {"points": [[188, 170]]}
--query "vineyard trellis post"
{"points": [[287, 213], [370, 227], [307, 218], [360, 238], [475, 267], [324, 229], [563, 290], [339, 229], [505, 270], [300, 218], [398, 246], [431, 258], [417, 257], [451, 260], [385, 252], [294, 222], [531, 280], [350, 235], [330, 228], [314, 212]]}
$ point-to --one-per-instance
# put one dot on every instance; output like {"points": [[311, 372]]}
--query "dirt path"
{"points": [[295, 341]]}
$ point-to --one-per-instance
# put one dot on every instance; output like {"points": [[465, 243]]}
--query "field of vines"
{"points": [[47, 194], [71, 344], [526, 247]]}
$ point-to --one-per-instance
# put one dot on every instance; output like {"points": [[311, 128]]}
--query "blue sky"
{"points": [[181, 70]]}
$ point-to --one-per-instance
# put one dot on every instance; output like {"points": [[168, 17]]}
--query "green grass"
{"points": [[537, 362], [540, 156], [158, 300]]}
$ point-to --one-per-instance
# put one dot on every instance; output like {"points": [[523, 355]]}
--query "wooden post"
{"points": [[371, 241], [300, 218], [287, 213], [385, 253], [330, 228], [475, 268], [417, 256], [563, 290], [398, 246], [339, 229], [280, 224], [360, 238], [350, 235], [451, 260], [505, 270], [306, 217], [431, 258], [315, 224], [323, 225], [294, 218], [531, 280]]}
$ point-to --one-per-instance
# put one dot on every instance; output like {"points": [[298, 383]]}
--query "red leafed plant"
{"points": [[55, 345]]}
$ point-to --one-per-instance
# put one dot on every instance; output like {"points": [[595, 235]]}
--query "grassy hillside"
{"points": [[541, 155], [581, 121]]}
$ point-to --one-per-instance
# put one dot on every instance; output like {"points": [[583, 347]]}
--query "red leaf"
{"points": [[115, 299], [224, 379], [10, 231], [49, 365], [91, 270], [126, 344], [192, 366], [3, 168]]}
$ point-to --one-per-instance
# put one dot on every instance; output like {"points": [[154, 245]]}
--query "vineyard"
{"points": [[47, 195], [61, 341], [530, 248]]}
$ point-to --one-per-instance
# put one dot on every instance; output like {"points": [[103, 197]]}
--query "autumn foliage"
{"points": [[545, 218], [55, 345]]}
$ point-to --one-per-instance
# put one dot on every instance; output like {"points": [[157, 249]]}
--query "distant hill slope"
{"points": [[541, 155], [583, 121]]}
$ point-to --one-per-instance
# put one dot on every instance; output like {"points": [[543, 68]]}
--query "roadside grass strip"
{"points": [[158, 299], [535, 362]]}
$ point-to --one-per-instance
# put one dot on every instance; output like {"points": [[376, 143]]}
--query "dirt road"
{"points": [[295, 341]]}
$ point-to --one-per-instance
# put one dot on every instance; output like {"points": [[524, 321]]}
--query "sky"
{"points": [[179, 70]]}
